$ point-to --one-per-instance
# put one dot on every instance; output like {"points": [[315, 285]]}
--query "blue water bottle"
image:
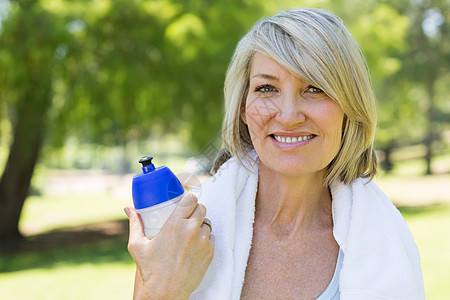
{"points": [[156, 192]]}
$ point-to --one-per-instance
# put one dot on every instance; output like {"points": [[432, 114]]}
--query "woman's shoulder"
{"points": [[371, 199], [363, 194], [365, 218], [230, 179], [364, 203], [379, 250]]}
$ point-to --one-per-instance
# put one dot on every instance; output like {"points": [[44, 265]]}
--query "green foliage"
{"points": [[131, 68], [28, 61], [381, 33]]}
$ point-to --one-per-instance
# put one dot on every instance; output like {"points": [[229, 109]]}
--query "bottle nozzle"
{"points": [[146, 160], [147, 165]]}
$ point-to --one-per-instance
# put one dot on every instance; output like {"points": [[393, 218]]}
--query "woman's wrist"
{"points": [[150, 292]]}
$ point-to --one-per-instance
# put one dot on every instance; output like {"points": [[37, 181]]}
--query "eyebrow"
{"points": [[266, 76]]}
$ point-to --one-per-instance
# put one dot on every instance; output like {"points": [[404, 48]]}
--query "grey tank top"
{"points": [[332, 290]]}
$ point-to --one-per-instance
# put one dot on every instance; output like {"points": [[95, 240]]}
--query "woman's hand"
{"points": [[172, 263]]}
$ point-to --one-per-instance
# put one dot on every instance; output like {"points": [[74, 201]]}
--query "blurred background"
{"points": [[87, 87]]}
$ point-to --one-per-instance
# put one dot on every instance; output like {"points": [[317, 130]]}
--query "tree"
{"points": [[28, 43], [109, 72], [427, 61], [381, 32], [406, 44]]}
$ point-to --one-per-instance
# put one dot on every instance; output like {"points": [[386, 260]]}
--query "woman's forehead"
{"points": [[263, 65]]}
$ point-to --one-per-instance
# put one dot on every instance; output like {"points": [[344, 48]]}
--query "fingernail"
{"points": [[194, 198], [127, 211], [189, 198]]}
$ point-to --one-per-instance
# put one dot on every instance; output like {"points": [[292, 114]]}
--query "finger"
{"points": [[199, 214], [185, 207], [212, 240], [206, 224], [205, 230], [136, 226]]}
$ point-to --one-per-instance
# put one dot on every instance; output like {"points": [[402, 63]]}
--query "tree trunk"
{"points": [[30, 37], [387, 163], [430, 134], [23, 154]]}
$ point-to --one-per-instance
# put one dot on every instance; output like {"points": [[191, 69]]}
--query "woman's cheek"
{"points": [[260, 110]]}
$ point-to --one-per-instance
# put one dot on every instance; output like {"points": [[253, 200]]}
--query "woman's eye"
{"points": [[266, 88], [313, 89]]}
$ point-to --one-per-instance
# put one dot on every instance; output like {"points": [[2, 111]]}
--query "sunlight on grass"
{"points": [[84, 281], [407, 184], [97, 270], [431, 230], [416, 190], [50, 212]]}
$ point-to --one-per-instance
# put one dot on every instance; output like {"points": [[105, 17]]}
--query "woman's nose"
{"points": [[290, 110]]}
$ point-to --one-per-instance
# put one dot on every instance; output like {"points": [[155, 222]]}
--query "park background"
{"points": [[87, 87]]}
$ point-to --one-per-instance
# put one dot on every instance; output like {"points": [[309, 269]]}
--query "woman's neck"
{"points": [[291, 204]]}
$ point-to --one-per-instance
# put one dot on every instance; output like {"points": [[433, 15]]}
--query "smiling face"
{"points": [[295, 127]]}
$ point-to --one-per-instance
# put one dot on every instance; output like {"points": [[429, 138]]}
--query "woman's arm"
{"points": [[138, 285], [171, 264]]}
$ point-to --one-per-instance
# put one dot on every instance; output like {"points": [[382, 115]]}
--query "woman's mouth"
{"points": [[292, 139]]}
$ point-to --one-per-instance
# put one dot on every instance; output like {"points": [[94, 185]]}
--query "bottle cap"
{"points": [[154, 185]]}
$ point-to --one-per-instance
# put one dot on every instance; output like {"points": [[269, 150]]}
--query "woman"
{"points": [[294, 211]]}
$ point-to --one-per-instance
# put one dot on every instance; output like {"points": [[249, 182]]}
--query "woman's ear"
{"points": [[243, 116]]}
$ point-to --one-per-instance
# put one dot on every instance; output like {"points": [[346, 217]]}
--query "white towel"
{"points": [[381, 260]]}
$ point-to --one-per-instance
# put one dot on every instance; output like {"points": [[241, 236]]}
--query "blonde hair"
{"points": [[314, 45]]}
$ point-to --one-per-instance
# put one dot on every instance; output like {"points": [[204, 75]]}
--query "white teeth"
{"points": [[293, 139]]}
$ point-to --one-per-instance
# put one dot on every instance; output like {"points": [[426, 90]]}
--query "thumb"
{"points": [[185, 207], [136, 225]]}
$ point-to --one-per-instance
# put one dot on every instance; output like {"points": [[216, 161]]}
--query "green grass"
{"points": [[430, 227], [97, 270], [42, 214], [100, 270]]}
